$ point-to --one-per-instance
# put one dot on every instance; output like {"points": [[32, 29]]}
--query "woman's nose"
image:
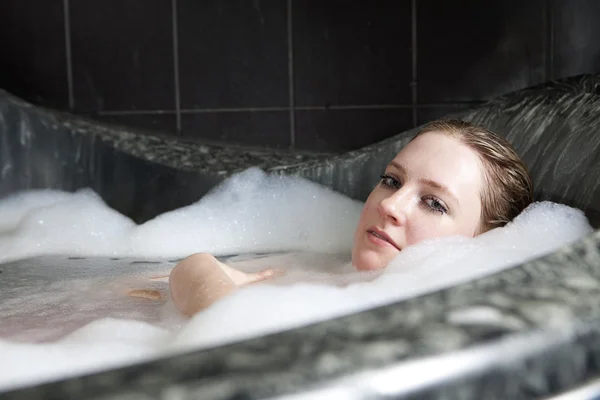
{"points": [[395, 207]]}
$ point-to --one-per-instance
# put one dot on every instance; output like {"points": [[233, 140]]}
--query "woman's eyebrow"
{"points": [[441, 188], [399, 167], [427, 182]]}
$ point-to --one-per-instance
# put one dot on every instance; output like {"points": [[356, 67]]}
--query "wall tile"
{"points": [[122, 55], [576, 33], [32, 39], [343, 130], [475, 50], [428, 114], [351, 53], [236, 55], [257, 129], [233, 54]]}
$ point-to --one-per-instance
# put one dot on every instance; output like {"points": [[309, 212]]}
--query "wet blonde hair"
{"points": [[507, 188]]}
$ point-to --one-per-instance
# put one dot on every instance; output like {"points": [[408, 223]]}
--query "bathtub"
{"points": [[553, 126]]}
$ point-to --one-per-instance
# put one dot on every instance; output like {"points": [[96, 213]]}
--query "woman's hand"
{"points": [[241, 278]]}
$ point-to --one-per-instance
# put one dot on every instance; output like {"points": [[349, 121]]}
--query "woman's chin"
{"points": [[368, 262]]}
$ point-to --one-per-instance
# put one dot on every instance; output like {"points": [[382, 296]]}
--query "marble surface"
{"points": [[553, 126], [137, 174], [527, 332], [166, 150]]}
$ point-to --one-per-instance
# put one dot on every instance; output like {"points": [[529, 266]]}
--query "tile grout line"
{"points": [[176, 65], [549, 40], [413, 83], [282, 109], [67, 24], [290, 43]]}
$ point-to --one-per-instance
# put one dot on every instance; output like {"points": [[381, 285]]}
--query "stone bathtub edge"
{"points": [[546, 305]]}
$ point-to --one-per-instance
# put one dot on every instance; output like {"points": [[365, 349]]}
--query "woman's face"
{"points": [[431, 189]]}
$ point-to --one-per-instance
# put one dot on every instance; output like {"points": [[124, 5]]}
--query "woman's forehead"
{"points": [[437, 157]]}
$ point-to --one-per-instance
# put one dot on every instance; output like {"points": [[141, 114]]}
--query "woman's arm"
{"points": [[199, 280]]}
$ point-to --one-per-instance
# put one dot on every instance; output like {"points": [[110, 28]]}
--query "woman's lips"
{"points": [[380, 238]]}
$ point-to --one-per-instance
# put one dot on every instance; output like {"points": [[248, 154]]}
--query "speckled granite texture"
{"points": [[528, 332]]}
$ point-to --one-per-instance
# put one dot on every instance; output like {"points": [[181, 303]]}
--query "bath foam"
{"points": [[251, 211], [109, 329], [423, 268]]}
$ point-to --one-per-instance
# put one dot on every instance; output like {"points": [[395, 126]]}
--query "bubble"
{"points": [[69, 316]]}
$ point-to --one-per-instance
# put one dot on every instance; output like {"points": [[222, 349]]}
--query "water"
{"points": [[61, 316]]}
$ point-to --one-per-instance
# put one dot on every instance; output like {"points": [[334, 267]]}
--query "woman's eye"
{"points": [[389, 181], [435, 205]]}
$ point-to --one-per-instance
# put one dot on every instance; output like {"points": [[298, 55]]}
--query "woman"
{"points": [[452, 178]]}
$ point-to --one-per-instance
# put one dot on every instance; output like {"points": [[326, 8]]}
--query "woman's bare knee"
{"points": [[198, 281]]}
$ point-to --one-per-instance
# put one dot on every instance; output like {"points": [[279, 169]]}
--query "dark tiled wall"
{"points": [[316, 75]]}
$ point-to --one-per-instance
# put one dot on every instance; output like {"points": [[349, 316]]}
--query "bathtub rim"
{"points": [[562, 337]]}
